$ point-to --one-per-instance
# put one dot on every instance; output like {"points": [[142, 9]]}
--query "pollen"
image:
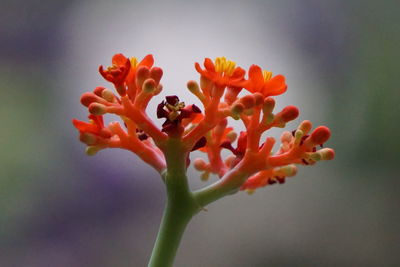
{"points": [[267, 75], [222, 65]]}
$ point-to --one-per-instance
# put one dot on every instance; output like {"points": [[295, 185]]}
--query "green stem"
{"points": [[180, 208], [228, 184]]}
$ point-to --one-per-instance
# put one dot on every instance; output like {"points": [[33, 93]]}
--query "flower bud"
{"points": [[286, 137], [236, 110], [315, 156], [88, 138], [259, 99], [142, 74], [158, 89], [98, 90], [149, 85], [327, 153], [156, 73], [88, 98], [298, 135], [268, 106], [289, 170], [199, 164], [289, 113], [248, 101], [194, 89], [97, 109], [108, 95], [92, 150], [320, 135], [305, 126]]}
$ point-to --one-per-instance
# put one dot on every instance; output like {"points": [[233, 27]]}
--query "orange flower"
{"points": [[147, 61], [263, 82], [118, 71], [123, 71], [223, 72]]}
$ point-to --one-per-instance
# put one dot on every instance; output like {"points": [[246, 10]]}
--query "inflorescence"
{"points": [[221, 82]]}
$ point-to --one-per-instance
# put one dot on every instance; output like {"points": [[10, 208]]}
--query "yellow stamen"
{"points": [[222, 65], [174, 110], [134, 62], [267, 75], [112, 67]]}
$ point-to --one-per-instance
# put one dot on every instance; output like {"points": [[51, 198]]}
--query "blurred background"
{"points": [[59, 207]]}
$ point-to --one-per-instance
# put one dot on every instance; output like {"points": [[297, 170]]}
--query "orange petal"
{"points": [[209, 65], [275, 86], [256, 77], [238, 73], [147, 61], [119, 59], [198, 68], [85, 127]]}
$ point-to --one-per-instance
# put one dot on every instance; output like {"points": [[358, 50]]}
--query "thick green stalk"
{"points": [[179, 209], [229, 184]]}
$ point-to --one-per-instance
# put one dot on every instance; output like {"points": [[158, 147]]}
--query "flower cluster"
{"points": [[252, 163]]}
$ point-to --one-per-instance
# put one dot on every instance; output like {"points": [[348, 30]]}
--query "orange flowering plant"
{"points": [[224, 91]]}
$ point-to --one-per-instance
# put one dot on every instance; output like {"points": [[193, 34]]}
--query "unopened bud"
{"points": [[142, 74], [108, 95], [236, 110], [248, 112], [315, 156], [327, 153], [149, 85], [199, 164], [286, 137], [298, 135], [259, 99], [156, 73], [268, 106], [92, 150], [305, 126], [248, 101], [97, 109], [289, 113], [193, 87], [158, 89], [269, 118], [320, 135], [88, 138], [289, 170], [98, 90], [88, 98]]}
